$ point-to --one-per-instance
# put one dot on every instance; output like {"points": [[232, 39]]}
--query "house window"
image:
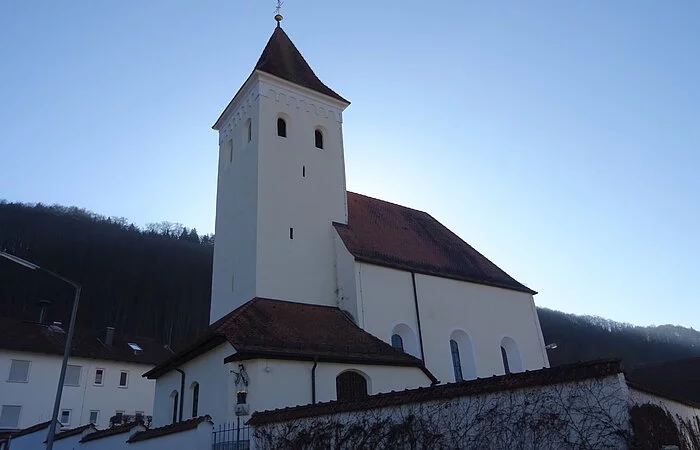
{"points": [[281, 127], [456, 363], [174, 396], [195, 399], [318, 139], [99, 377], [397, 342], [19, 371], [123, 379], [94, 417], [73, 375], [140, 416], [9, 416], [350, 386], [64, 418]]}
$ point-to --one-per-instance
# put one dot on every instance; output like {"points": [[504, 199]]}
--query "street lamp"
{"points": [[69, 339]]}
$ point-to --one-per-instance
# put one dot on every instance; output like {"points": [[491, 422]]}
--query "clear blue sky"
{"points": [[561, 139]]}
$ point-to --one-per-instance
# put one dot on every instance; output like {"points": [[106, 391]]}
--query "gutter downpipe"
{"points": [[313, 381], [420, 331], [182, 393]]}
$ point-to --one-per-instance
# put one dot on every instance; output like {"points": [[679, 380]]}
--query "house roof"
{"points": [[72, 432], [32, 429], [677, 380], [107, 432], [480, 386], [275, 329], [391, 235], [177, 427], [282, 59], [23, 336]]}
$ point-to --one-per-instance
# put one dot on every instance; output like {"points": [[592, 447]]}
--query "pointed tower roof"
{"points": [[282, 59]]}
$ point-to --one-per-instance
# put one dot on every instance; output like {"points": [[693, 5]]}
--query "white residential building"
{"points": [[321, 294], [103, 377]]}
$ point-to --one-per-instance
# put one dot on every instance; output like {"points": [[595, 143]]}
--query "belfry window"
{"points": [[318, 139], [397, 342], [281, 127], [350, 386]]}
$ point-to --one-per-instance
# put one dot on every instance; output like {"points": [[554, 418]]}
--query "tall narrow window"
{"points": [[195, 399], [456, 363], [123, 379], [281, 127], [397, 342], [229, 144], [350, 386], [291, 233], [303, 171], [318, 139], [249, 127], [174, 396], [504, 357]]}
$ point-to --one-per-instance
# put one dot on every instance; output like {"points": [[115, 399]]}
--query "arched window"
{"points": [[318, 139], [512, 361], [405, 334], [175, 397], [350, 386], [456, 360], [281, 127], [195, 399], [462, 352], [397, 342]]}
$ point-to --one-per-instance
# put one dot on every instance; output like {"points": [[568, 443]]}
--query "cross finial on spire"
{"points": [[278, 16]]}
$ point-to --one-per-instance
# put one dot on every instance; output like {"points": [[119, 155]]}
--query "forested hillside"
{"points": [[156, 282]]}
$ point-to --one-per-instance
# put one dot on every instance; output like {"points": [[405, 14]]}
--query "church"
{"points": [[322, 294]]}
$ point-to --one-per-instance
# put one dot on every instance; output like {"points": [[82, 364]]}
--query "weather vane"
{"points": [[278, 16]]}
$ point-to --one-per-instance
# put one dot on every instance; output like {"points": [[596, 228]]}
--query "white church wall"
{"points": [[233, 278], [386, 296], [301, 192], [485, 314], [212, 375], [279, 383], [347, 280]]}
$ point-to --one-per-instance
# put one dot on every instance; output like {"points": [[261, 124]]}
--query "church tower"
{"points": [[281, 185]]}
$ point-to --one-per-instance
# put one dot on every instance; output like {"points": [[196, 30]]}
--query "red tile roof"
{"points": [[34, 337], [677, 380], [282, 59], [480, 386], [177, 427], [120, 429], [275, 329], [391, 235], [72, 432], [32, 429]]}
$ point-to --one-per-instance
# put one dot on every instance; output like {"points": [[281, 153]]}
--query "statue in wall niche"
{"points": [[241, 380]]}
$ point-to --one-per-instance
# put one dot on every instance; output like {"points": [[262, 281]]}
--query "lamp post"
{"points": [[69, 339]]}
